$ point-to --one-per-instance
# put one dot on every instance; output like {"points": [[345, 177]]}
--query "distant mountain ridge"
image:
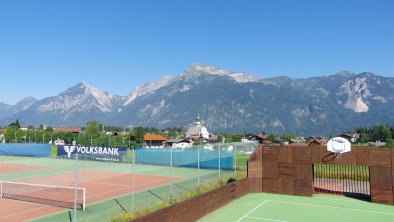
{"points": [[7, 110], [228, 102]]}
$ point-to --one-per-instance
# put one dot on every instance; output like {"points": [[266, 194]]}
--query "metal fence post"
{"points": [[171, 173], [198, 165], [235, 159], [219, 161], [132, 181], [76, 186]]}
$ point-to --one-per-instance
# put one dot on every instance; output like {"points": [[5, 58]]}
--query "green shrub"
{"points": [[181, 197]]}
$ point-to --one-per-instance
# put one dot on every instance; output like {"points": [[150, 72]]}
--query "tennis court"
{"points": [[33, 197], [42, 188], [283, 208], [108, 187]]}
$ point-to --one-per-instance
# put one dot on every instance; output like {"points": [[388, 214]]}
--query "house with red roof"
{"points": [[154, 141]]}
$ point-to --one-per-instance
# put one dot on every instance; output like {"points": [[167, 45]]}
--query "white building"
{"points": [[197, 131], [179, 143]]}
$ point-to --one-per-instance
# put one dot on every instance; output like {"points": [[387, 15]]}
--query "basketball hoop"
{"points": [[338, 146]]}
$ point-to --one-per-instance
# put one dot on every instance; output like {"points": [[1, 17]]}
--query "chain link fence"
{"points": [[84, 183]]}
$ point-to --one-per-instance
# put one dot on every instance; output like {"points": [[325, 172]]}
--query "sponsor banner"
{"points": [[100, 153]]}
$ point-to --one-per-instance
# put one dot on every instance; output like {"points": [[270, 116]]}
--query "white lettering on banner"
{"points": [[92, 150], [69, 150]]}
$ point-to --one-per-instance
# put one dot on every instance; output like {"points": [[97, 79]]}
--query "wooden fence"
{"points": [[289, 169], [197, 207]]}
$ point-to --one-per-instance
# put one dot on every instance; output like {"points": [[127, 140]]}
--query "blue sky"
{"points": [[48, 46]]}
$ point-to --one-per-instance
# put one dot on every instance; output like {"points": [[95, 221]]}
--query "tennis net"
{"points": [[43, 194]]}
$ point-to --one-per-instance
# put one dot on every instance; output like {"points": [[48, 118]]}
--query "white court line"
{"points": [[333, 207], [266, 219], [251, 211]]}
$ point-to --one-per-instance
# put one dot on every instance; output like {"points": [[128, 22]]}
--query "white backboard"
{"points": [[339, 145]]}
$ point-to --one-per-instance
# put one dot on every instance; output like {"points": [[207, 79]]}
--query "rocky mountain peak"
{"points": [[147, 88], [81, 97], [360, 90], [201, 68], [24, 103], [197, 69], [344, 74]]}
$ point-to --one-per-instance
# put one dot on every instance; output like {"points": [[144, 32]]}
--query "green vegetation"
{"points": [[382, 133], [240, 161], [288, 136], [341, 172], [229, 138], [179, 198], [53, 151]]}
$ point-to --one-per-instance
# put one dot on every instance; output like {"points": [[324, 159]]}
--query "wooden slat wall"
{"points": [[360, 156], [288, 169], [269, 178], [255, 169], [392, 169], [286, 172], [380, 171], [357, 157]]}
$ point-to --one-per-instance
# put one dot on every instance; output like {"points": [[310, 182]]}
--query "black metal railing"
{"points": [[352, 181]]}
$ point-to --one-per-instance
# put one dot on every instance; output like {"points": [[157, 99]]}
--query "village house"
{"points": [[75, 130], [178, 143], [24, 128], [350, 137], [154, 141], [261, 138]]}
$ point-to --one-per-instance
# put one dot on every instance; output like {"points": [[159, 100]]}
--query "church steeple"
{"points": [[198, 120]]}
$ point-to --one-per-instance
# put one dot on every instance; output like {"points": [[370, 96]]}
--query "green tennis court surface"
{"points": [[283, 208]]}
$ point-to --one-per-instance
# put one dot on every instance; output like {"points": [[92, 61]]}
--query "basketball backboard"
{"points": [[338, 145]]}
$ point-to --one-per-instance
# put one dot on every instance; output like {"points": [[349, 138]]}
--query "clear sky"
{"points": [[49, 46]]}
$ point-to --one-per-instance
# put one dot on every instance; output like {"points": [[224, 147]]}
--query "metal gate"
{"points": [[351, 181]]}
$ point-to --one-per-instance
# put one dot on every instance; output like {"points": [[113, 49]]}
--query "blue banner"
{"points": [[99, 153], [25, 149], [209, 159]]}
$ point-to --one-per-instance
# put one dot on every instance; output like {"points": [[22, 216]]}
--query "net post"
{"points": [[1, 189], [84, 199]]}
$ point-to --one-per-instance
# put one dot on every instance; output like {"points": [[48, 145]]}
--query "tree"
{"points": [[10, 134], [49, 129], [139, 133], [17, 124], [364, 138], [271, 137], [390, 143], [380, 133], [92, 129]]}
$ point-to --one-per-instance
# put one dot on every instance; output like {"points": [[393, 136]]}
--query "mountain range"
{"points": [[230, 102]]}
